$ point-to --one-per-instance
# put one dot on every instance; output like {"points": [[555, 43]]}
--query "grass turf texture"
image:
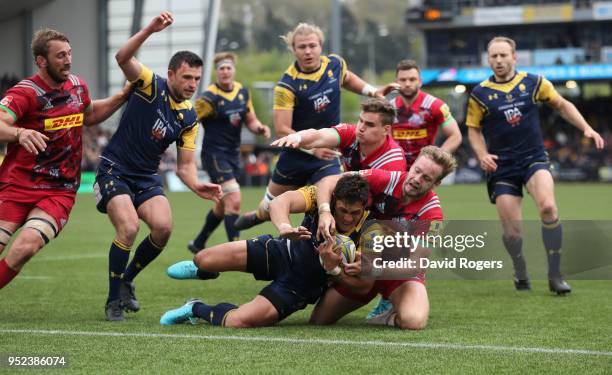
{"points": [[474, 326]]}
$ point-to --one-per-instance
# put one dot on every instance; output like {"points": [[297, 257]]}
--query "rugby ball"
{"points": [[348, 248]]}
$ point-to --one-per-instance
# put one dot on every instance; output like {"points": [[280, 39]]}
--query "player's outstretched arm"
{"points": [[570, 113], [487, 161], [354, 83], [101, 109], [187, 171], [309, 138], [29, 139], [125, 56], [255, 126], [280, 208]]}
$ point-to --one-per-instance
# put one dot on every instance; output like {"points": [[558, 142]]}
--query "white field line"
{"points": [[499, 348]]}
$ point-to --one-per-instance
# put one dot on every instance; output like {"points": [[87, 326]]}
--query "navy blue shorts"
{"points": [[297, 168], [221, 167], [510, 176], [295, 282], [113, 179]]}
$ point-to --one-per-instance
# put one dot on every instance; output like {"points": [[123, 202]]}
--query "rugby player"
{"points": [[41, 119], [223, 108], [128, 187], [504, 132], [296, 263]]}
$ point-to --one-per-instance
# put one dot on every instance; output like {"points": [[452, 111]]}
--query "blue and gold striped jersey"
{"points": [[507, 113], [152, 121], [222, 114], [313, 97]]}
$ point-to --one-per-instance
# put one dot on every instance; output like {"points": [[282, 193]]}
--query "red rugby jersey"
{"points": [[417, 125], [389, 156], [386, 192], [57, 113]]}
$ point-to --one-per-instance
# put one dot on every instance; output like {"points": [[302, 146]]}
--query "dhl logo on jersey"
{"points": [[409, 133], [64, 122]]}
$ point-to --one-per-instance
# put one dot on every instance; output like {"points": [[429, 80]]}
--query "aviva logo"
{"points": [[57, 123]]}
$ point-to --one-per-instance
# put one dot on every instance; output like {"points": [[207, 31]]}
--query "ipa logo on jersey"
{"points": [[158, 132], [513, 116], [409, 133], [64, 122], [321, 103]]}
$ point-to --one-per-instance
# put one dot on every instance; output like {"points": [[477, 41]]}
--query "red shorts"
{"points": [[382, 287], [16, 204]]}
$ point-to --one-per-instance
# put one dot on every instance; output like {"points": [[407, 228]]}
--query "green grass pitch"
{"points": [[55, 307]]}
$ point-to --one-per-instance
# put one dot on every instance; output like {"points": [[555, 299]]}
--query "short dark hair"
{"points": [[382, 107], [41, 39], [351, 189], [187, 57], [407, 65]]}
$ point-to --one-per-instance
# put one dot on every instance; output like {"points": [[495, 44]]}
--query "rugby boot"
{"points": [[248, 220], [557, 285], [113, 311], [180, 315], [127, 297]]}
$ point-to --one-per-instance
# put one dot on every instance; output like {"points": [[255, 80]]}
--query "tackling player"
{"points": [[307, 97], [419, 118], [127, 185], [363, 146], [41, 119], [406, 197], [291, 262], [222, 109]]}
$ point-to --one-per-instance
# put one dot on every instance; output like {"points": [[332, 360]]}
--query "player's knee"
{"points": [[127, 232], [231, 205], [512, 236], [26, 246], [413, 321], [202, 260], [161, 232], [548, 209]]}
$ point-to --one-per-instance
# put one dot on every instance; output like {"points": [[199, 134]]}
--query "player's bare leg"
{"points": [[411, 302], [206, 265], [38, 229], [262, 214], [510, 213], [7, 229], [332, 307], [541, 186], [258, 313], [410, 307], [156, 213]]}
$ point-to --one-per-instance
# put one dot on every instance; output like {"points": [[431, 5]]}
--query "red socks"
{"points": [[6, 273]]}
